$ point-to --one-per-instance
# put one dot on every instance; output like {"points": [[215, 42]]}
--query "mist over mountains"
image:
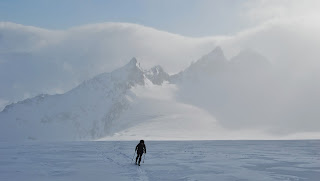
{"points": [[55, 61], [244, 97], [35, 60]]}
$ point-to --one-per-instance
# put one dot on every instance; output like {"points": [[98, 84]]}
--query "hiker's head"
{"points": [[141, 141]]}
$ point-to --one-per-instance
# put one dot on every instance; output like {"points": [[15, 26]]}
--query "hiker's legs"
{"points": [[137, 157], [140, 155]]}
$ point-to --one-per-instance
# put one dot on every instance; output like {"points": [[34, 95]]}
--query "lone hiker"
{"points": [[140, 149]]}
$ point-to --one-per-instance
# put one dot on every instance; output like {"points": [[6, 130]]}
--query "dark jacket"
{"points": [[141, 148]]}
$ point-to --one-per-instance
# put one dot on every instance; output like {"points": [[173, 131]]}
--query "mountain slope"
{"points": [[234, 90], [156, 114], [108, 105], [84, 113]]}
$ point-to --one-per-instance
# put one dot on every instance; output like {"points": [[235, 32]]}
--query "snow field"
{"points": [[165, 160]]}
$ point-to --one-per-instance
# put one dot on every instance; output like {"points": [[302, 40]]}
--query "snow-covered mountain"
{"points": [[231, 90], [86, 112], [214, 98], [102, 107]]}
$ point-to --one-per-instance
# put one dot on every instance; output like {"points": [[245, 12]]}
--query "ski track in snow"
{"points": [[165, 160], [122, 160]]}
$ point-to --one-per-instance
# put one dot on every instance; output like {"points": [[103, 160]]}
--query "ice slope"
{"points": [[165, 160]]}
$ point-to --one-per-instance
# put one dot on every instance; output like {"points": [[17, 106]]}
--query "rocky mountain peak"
{"points": [[157, 75]]}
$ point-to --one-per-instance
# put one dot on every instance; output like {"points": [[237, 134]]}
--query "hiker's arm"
{"points": [[145, 149]]}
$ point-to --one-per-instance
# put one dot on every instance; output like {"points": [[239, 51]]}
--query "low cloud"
{"points": [[37, 61]]}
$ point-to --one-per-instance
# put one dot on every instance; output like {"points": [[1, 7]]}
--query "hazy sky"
{"points": [[186, 17], [196, 18]]}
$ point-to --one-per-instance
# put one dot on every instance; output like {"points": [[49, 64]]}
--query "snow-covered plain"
{"points": [[165, 160]]}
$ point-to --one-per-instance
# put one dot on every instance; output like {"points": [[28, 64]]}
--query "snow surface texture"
{"points": [[165, 160], [214, 98]]}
